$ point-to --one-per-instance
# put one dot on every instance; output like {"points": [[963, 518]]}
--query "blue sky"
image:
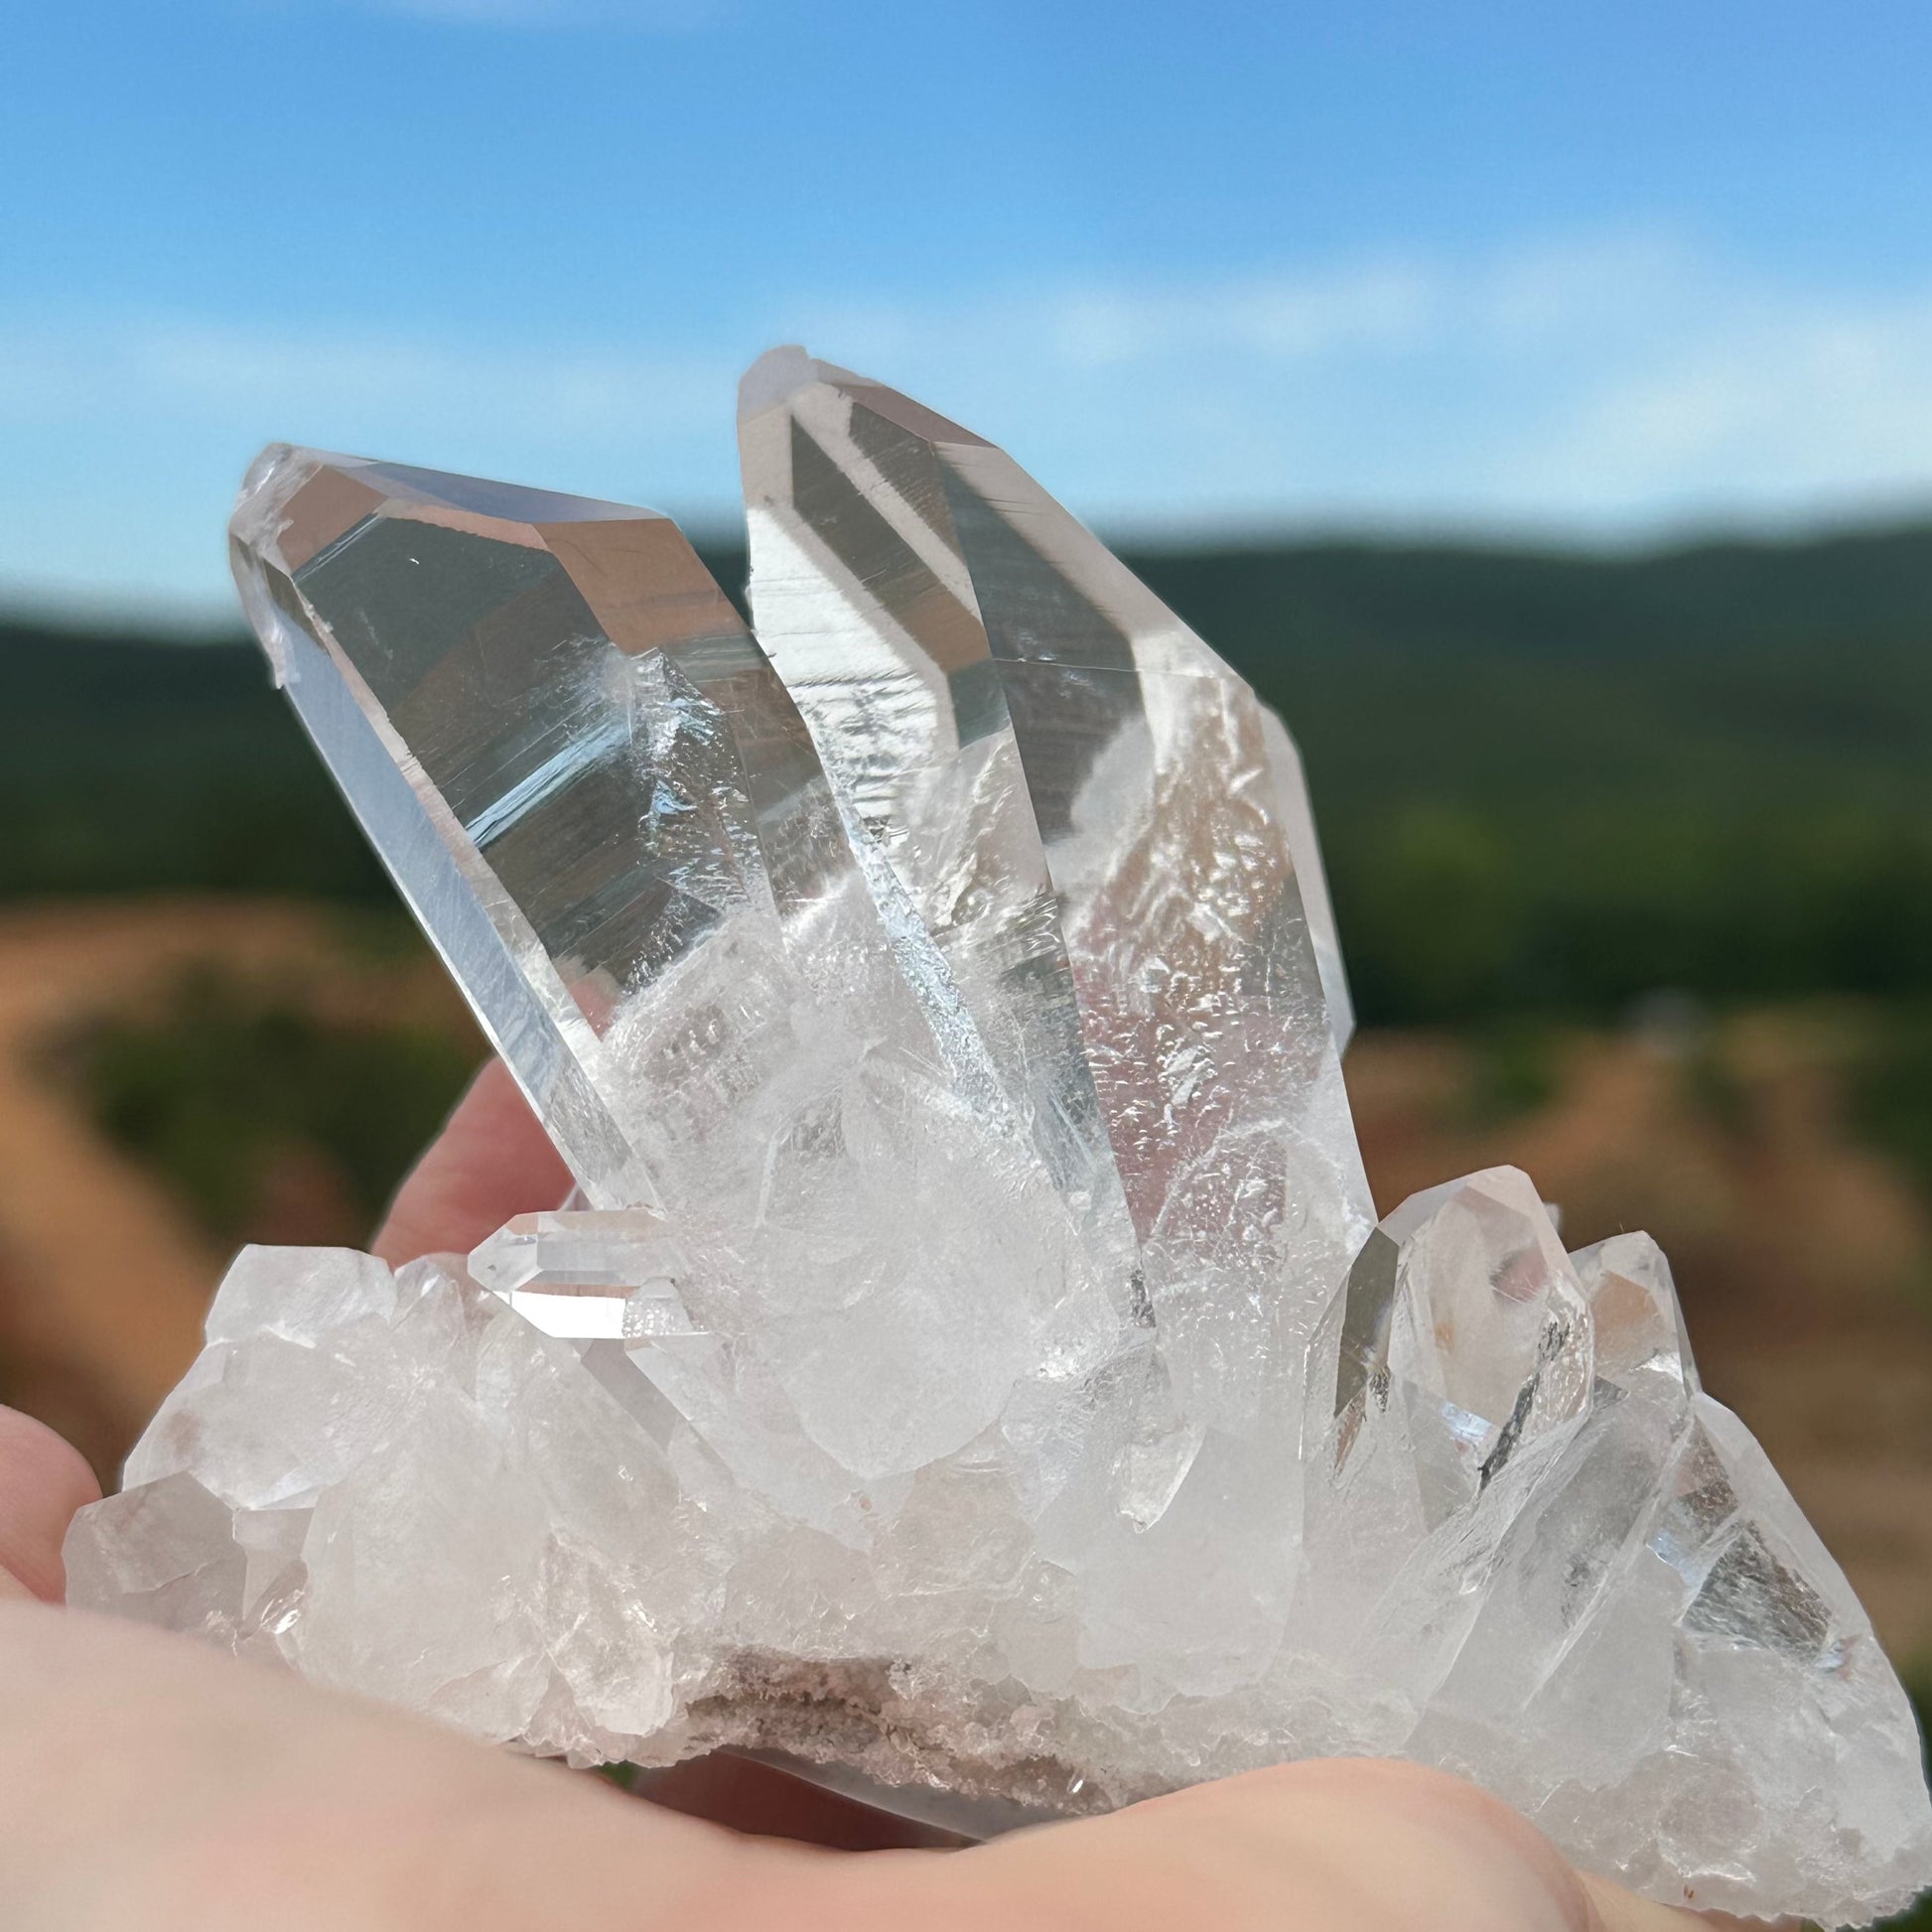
{"points": [[1592, 271]]}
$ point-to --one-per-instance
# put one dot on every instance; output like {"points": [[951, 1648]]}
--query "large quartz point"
{"points": [[970, 1367]]}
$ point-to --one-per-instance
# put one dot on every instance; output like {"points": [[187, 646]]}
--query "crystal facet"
{"points": [[587, 1276], [974, 1371]]}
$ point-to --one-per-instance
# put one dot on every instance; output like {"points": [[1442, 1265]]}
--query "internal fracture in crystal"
{"points": [[971, 1364]]}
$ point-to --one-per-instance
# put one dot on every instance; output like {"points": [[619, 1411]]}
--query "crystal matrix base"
{"points": [[1600, 1603]]}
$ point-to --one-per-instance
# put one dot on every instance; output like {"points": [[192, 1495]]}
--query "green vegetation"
{"points": [[1514, 1070], [135, 767], [1545, 782], [1713, 1085], [1555, 783], [227, 1079], [1889, 1091]]}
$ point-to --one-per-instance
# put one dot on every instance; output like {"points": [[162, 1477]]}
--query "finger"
{"points": [[1623, 1911], [220, 1795], [1327, 1846], [769, 1803], [491, 1161], [43, 1481]]}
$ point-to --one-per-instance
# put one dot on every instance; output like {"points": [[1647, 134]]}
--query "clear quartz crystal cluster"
{"points": [[971, 1366]]}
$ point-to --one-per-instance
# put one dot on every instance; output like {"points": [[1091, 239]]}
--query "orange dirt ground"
{"points": [[1803, 1261]]}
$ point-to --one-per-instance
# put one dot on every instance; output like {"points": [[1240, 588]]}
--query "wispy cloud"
{"points": [[223, 373], [1604, 382], [1613, 383], [126, 438]]}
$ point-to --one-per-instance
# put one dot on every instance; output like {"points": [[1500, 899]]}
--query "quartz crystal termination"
{"points": [[975, 1372], [1022, 728], [1021, 731], [605, 809]]}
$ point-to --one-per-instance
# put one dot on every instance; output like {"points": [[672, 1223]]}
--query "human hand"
{"points": [[150, 1785]]}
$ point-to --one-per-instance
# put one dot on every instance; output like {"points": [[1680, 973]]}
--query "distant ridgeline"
{"points": [[1544, 782]]}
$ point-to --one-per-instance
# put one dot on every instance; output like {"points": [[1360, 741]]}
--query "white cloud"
{"points": [[1604, 385], [219, 376], [1373, 306], [1727, 395], [125, 439]]}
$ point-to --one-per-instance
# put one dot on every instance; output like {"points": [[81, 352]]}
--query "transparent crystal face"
{"points": [[970, 1366], [588, 1276], [1021, 726], [584, 775], [1015, 999], [1479, 1322]]}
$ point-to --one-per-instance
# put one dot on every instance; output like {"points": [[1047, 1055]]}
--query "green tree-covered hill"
{"points": [[1544, 780]]}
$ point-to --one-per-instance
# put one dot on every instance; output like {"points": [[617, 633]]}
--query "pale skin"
{"points": [[149, 1785]]}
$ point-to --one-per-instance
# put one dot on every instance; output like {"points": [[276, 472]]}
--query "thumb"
{"points": [[43, 1481], [1619, 1911], [1330, 1846], [492, 1159]]}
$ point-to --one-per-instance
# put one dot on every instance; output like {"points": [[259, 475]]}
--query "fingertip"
{"points": [[492, 1159], [492, 1095], [1331, 1845], [1617, 1910], [43, 1480]]}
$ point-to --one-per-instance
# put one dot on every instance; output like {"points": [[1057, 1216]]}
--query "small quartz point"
{"points": [[588, 1276], [968, 1367]]}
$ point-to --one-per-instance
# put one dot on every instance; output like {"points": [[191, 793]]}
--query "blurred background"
{"points": [[1534, 402]]}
